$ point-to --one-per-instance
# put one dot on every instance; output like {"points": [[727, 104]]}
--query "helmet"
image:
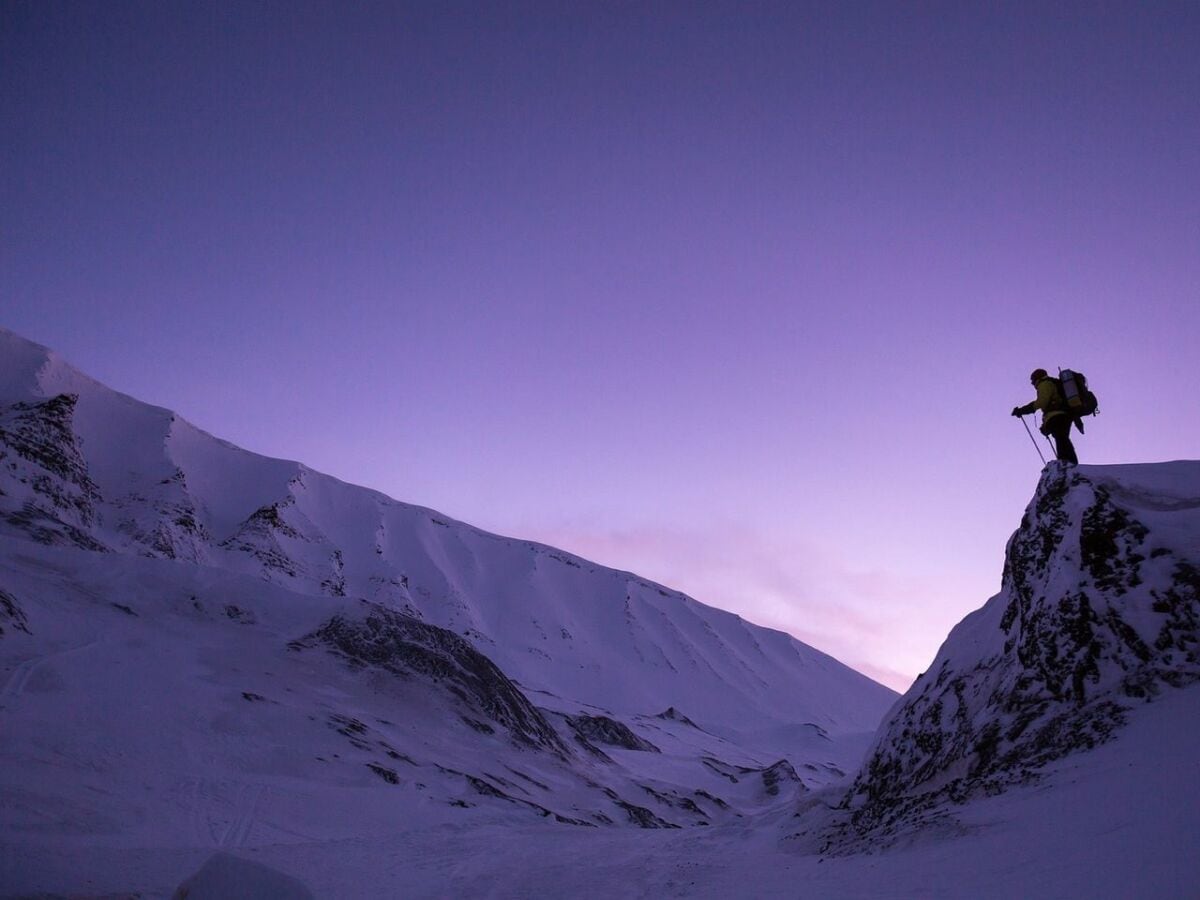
{"points": [[1037, 375]]}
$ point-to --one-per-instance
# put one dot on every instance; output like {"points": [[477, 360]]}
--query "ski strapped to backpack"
{"points": [[1076, 398]]}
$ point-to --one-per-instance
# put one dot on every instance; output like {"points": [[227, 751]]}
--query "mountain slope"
{"points": [[92, 468], [206, 646]]}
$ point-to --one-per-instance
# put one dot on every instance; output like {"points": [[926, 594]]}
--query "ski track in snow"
{"points": [[245, 816], [16, 682], [218, 822], [15, 686]]}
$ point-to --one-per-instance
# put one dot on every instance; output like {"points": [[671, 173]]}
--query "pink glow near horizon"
{"points": [[736, 297]]}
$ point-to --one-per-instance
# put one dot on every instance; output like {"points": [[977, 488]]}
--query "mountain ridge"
{"points": [[146, 481], [599, 651]]}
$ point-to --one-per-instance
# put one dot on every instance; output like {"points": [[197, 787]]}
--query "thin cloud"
{"points": [[883, 625]]}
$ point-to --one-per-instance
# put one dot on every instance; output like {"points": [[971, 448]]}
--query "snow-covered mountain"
{"points": [[207, 651], [241, 638], [1099, 613], [88, 467]]}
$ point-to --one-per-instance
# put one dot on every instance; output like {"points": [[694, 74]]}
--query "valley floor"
{"points": [[1121, 821]]}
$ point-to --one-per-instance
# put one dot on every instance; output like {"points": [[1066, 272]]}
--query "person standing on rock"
{"points": [[1056, 421]]}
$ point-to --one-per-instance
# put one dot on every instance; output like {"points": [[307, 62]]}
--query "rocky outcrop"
{"points": [[164, 521], [411, 648], [1096, 612], [774, 777], [288, 546], [779, 776], [671, 714], [12, 614], [261, 535], [603, 730], [638, 815], [50, 497]]}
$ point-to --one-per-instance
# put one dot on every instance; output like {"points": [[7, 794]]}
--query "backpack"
{"points": [[1076, 398]]}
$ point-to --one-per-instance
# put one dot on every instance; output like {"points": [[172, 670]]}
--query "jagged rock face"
{"points": [[1097, 610], [777, 776], [774, 777], [603, 730], [174, 530], [289, 546], [51, 496], [407, 646]]}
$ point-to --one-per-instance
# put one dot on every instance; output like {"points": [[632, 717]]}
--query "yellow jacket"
{"points": [[1048, 401]]}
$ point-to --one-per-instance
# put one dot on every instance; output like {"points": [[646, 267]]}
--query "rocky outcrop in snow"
{"points": [[49, 494], [603, 730], [11, 612], [409, 647], [1099, 609]]}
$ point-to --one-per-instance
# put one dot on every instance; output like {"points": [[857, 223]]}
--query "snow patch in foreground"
{"points": [[228, 877]]}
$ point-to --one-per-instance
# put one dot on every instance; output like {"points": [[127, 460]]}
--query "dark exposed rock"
{"points": [[396, 754], [773, 776], [724, 769], [639, 815], [258, 536], [244, 616], [712, 799], [488, 790], [779, 774], [351, 728], [42, 433], [11, 612], [335, 584], [603, 730], [670, 798], [38, 441], [531, 780], [46, 528], [1076, 644], [384, 772], [128, 610], [674, 715], [406, 646], [1108, 541], [568, 820]]}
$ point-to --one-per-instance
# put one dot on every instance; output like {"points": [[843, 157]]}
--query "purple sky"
{"points": [[737, 296]]}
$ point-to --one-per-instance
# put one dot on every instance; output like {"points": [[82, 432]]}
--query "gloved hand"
{"points": [[1017, 411]]}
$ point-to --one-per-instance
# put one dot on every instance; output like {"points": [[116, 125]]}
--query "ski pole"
{"points": [[1031, 438]]}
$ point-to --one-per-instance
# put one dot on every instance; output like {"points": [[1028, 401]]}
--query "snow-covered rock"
{"points": [[228, 877], [1099, 611], [403, 645]]}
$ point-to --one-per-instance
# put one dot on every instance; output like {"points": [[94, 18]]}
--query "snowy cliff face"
{"points": [[1099, 610], [49, 493]]}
